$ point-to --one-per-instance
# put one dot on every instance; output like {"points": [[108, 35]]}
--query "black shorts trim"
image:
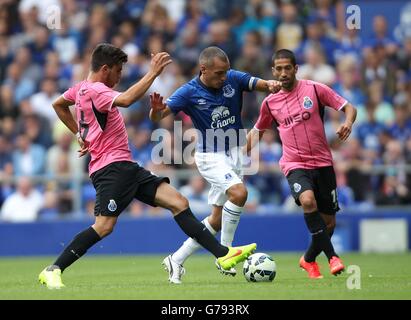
{"points": [[321, 181], [118, 183]]}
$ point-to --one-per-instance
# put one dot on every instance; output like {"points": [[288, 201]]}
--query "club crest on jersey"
{"points": [[112, 206], [228, 91], [297, 187], [228, 176], [307, 103]]}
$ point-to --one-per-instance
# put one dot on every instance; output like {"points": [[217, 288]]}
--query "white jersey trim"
{"points": [[343, 105], [258, 129], [250, 83], [112, 101], [67, 99]]}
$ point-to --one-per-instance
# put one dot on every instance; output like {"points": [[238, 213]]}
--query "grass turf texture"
{"points": [[143, 278]]}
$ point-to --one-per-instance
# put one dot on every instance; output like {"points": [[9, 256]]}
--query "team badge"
{"points": [[307, 103], [228, 176], [297, 187], [112, 206], [228, 91]]}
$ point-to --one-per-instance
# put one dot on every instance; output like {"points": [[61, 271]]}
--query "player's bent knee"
{"points": [[104, 226], [179, 203], [331, 226], [104, 230], [308, 203], [238, 194]]}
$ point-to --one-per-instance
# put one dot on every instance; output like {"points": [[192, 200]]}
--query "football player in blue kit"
{"points": [[213, 101]]}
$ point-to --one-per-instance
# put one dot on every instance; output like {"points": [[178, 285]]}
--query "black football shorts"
{"points": [[118, 183], [321, 181]]}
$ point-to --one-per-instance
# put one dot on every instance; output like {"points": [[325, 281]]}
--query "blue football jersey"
{"points": [[215, 113]]}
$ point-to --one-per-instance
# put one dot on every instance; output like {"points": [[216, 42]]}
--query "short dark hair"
{"points": [[108, 54], [208, 54], [284, 54]]}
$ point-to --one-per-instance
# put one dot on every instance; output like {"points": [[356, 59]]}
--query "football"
{"points": [[259, 267]]}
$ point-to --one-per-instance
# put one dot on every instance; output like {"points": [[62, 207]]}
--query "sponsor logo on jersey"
{"points": [[112, 206], [228, 91], [296, 118], [221, 117], [307, 103], [201, 101]]}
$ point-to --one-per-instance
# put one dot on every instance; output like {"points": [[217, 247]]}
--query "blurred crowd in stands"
{"points": [[45, 47]]}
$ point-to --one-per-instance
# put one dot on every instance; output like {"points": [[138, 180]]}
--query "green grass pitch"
{"points": [[142, 278]]}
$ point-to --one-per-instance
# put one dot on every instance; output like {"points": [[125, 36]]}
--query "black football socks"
{"points": [[312, 252], [78, 247], [199, 232], [320, 239]]}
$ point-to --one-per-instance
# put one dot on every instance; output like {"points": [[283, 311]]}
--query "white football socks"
{"points": [[190, 246], [229, 222]]}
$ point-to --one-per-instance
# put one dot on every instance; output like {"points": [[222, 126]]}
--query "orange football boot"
{"points": [[336, 266], [312, 268]]}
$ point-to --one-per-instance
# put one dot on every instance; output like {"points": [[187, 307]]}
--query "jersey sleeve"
{"points": [[245, 80], [103, 97], [70, 93], [265, 119], [179, 100], [329, 97]]}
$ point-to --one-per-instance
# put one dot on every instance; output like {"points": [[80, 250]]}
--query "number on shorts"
{"points": [[334, 198]]}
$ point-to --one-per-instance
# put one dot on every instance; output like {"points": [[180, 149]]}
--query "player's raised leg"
{"points": [[224, 217], [176, 260], [102, 227], [169, 198]]}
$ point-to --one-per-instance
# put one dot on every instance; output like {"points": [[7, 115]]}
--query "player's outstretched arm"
{"points": [[158, 109], [253, 137], [269, 86], [345, 129], [136, 91]]}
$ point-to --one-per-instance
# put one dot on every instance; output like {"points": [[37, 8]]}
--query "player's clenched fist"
{"points": [[274, 86]]}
